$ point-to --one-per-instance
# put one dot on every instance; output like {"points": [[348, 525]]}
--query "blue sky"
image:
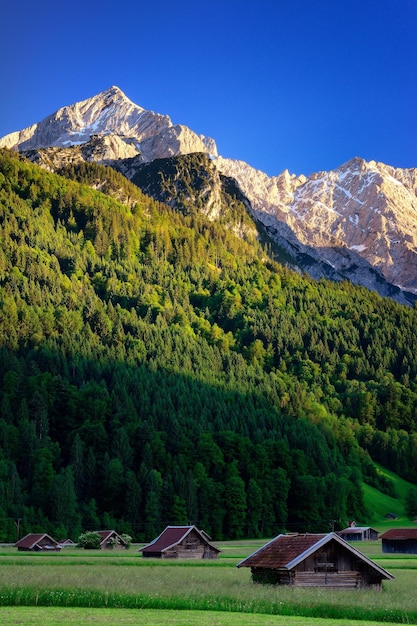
{"points": [[304, 85]]}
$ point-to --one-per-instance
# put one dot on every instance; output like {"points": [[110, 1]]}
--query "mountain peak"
{"points": [[111, 113], [114, 90], [114, 94], [356, 163]]}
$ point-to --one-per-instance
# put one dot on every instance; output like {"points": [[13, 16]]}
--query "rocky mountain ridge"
{"points": [[356, 222], [362, 211]]}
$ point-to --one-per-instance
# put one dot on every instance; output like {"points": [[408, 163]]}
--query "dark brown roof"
{"points": [[171, 536], [32, 539], [286, 551], [400, 534], [281, 551]]}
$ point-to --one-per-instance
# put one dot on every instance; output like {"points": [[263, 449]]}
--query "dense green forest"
{"points": [[157, 369]]}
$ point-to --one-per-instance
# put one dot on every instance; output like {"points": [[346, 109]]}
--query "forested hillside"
{"points": [[155, 368]]}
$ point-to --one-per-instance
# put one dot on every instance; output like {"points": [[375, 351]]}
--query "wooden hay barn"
{"points": [[109, 540], [314, 561], [402, 540], [67, 543], [37, 542], [182, 542], [358, 533]]}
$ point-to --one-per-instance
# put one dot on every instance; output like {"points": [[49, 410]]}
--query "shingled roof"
{"points": [[281, 551]]}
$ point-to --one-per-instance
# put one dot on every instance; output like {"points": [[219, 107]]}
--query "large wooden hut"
{"points": [[312, 560], [183, 542]]}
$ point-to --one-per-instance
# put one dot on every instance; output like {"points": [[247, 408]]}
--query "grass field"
{"points": [[127, 589], [53, 616]]}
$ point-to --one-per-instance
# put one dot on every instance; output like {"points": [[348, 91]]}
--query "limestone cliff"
{"points": [[362, 210]]}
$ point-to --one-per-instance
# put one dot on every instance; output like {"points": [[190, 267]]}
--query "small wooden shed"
{"points": [[183, 542], [314, 561], [402, 540], [67, 543], [109, 540], [38, 542], [358, 533]]}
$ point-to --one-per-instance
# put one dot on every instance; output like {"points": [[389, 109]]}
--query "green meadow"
{"points": [[123, 588], [380, 504]]}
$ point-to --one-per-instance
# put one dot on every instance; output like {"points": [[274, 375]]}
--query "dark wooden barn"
{"points": [[403, 540], [37, 542], [183, 542], [314, 561]]}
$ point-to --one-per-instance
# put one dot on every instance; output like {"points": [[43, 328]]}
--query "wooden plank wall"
{"points": [[342, 580]]}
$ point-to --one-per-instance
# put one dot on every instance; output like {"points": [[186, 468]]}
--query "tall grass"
{"points": [[114, 583], [97, 599]]}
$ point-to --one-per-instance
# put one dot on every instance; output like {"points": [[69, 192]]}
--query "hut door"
{"points": [[323, 563]]}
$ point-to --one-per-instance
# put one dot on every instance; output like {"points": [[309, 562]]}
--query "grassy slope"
{"points": [[380, 504]]}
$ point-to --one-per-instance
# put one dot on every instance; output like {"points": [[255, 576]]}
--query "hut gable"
{"points": [[109, 539], [314, 560], [37, 542], [402, 540], [181, 542]]}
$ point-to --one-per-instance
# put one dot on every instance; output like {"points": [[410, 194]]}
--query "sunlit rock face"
{"points": [[362, 209]]}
